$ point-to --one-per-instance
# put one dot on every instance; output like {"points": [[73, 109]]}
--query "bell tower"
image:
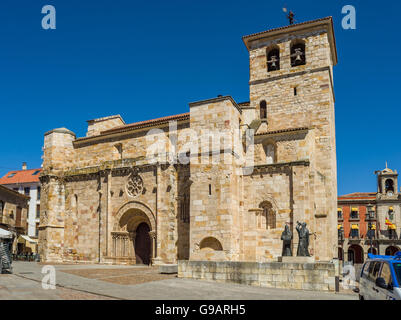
{"points": [[291, 85], [387, 183]]}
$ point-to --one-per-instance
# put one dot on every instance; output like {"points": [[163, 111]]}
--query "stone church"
{"points": [[106, 198]]}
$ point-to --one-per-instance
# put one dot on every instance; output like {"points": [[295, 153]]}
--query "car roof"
{"points": [[376, 257]]}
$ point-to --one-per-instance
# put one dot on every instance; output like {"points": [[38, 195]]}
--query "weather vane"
{"points": [[290, 15]]}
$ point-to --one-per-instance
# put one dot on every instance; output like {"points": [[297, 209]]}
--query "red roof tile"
{"points": [[21, 176], [358, 195], [148, 122]]}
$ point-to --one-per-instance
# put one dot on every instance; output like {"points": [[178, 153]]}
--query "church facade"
{"points": [[167, 189]]}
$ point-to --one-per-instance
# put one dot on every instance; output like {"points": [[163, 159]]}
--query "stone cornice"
{"points": [[272, 168], [55, 226], [284, 132], [123, 167]]}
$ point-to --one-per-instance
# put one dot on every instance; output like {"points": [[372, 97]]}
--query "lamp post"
{"points": [[370, 236], [371, 215]]}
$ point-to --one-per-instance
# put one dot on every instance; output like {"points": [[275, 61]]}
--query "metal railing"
{"points": [[26, 257]]}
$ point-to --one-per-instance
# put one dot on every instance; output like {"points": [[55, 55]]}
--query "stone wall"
{"points": [[307, 276], [214, 205]]}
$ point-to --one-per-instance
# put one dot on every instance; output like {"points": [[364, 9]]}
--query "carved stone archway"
{"points": [[134, 207], [126, 221]]}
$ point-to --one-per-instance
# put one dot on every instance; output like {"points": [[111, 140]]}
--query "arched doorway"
{"points": [[391, 251], [355, 254], [134, 234], [142, 244]]}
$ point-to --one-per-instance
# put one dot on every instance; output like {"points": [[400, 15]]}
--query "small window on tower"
{"points": [[273, 59], [263, 110], [295, 91]]}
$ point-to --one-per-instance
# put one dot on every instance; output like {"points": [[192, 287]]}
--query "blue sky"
{"points": [[146, 59]]}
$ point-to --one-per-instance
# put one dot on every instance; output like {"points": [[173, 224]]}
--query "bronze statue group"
{"points": [[303, 243]]}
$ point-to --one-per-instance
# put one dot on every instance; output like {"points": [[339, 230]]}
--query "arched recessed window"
{"points": [[389, 185], [263, 110], [211, 243], [269, 213], [298, 55], [273, 59]]}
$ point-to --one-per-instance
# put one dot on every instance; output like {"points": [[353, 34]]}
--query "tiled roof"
{"points": [[282, 131], [358, 195], [137, 125], [21, 176], [288, 27], [15, 193]]}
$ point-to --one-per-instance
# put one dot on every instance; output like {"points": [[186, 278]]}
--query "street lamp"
{"points": [[370, 236], [371, 215]]}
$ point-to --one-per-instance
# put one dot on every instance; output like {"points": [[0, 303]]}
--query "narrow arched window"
{"points": [[273, 60], [298, 55], [263, 110], [269, 213]]}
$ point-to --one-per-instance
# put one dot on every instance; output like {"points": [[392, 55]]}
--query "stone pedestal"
{"points": [[296, 259], [168, 268]]}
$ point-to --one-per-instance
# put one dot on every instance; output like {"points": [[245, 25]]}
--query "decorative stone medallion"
{"points": [[134, 185]]}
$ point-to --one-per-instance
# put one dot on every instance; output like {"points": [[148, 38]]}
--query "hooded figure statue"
{"points": [[303, 243], [286, 236]]}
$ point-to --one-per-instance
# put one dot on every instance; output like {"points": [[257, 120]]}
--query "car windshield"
{"points": [[397, 270]]}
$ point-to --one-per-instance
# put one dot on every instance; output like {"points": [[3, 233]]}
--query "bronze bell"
{"points": [[298, 53], [274, 59], [273, 63]]}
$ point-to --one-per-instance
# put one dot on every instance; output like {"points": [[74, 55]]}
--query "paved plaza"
{"points": [[88, 282]]}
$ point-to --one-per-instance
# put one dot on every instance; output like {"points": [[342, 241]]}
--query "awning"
{"points": [[354, 209], [355, 227], [4, 234], [339, 226], [23, 237]]}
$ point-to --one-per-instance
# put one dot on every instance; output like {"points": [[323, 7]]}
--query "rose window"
{"points": [[134, 186]]}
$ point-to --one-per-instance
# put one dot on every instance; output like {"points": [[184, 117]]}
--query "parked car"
{"points": [[381, 278]]}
